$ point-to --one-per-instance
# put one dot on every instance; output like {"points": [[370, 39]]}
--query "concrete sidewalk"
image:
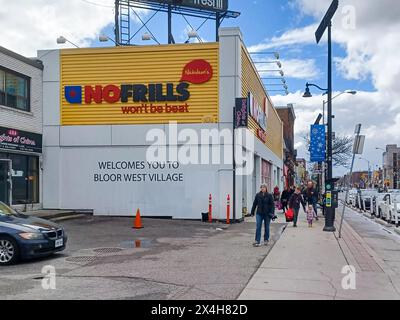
{"points": [[307, 264]]}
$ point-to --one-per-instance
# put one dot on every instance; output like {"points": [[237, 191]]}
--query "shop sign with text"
{"points": [[182, 96], [258, 112], [18, 140]]}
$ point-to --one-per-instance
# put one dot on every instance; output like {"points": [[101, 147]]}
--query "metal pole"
{"points": [[169, 24], [218, 24], [234, 170], [323, 166], [347, 190], [116, 31], [330, 211]]}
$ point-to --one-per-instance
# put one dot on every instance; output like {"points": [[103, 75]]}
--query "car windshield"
{"points": [[5, 210]]}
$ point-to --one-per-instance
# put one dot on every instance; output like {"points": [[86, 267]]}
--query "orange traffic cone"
{"points": [[138, 221]]}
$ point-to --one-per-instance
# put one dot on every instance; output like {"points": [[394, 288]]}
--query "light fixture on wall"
{"points": [[63, 40]]}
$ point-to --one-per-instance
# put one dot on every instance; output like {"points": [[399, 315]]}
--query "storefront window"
{"points": [[266, 174], [25, 178], [2, 88], [19, 178], [33, 180], [14, 91]]}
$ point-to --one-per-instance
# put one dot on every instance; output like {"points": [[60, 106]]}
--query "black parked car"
{"points": [[23, 237]]}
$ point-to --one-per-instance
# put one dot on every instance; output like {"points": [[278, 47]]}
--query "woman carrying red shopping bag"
{"points": [[294, 205]]}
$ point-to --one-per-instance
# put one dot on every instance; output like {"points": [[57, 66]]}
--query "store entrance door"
{"points": [[5, 181]]}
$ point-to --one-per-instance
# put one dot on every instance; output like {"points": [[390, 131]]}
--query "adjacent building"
{"points": [[21, 103], [391, 166], [301, 171], [110, 113], [358, 179], [288, 118]]}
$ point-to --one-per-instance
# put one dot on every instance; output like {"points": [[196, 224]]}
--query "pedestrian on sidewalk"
{"points": [[294, 203], [311, 197], [264, 203], [286, 194], [310, 215], [277, 193]]}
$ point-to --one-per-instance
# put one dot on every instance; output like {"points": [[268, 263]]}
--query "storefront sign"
{"points": [[262, 135], [128, 93], [197, 72], [12, 139], [241, 113], [258, 112], [210, 5], [140, 85]]}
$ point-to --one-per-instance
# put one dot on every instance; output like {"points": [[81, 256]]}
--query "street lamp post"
{"points": [[383, 165], [369, 170], [326, 24]]}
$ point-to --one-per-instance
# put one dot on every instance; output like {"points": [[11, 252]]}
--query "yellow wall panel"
{"points": [[138, 65], [251, 82]]}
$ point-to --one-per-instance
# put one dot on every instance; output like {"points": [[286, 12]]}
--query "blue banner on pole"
{"points": [[318, 143]]}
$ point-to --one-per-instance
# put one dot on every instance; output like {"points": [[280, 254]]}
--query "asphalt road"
{"points": [[176, 260]]}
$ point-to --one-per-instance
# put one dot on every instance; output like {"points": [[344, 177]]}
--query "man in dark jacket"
{"points": [[311, 197], [294, 203], [264, 203], [286, 194]]}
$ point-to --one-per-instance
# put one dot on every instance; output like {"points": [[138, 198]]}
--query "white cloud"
{"points": [[371, 48], [27, 26], [301, 69], [302, 35], [380, 124]]}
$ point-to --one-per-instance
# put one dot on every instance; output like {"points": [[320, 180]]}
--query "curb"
{"points": [[70, 217], [60, 216], [383, 223], [371, 252], [369, 216]]}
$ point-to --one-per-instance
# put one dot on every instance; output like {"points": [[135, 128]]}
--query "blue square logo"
{"points": [[73, 94]]}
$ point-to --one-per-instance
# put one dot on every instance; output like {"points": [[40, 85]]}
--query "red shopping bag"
{"points": [[289, 215]]}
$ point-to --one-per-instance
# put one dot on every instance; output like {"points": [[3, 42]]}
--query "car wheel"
{"points": [[9, 251]]}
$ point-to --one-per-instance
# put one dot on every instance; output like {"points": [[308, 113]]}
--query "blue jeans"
{"points": [[267, 222], [315, 210]]}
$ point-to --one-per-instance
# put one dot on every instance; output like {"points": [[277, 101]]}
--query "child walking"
{"points": [[310, 215]]}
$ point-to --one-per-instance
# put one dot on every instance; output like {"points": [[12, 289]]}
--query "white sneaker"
{"points": [[256, 244]]}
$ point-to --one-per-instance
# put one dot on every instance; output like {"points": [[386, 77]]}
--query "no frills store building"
{"points": [[102, 104]]}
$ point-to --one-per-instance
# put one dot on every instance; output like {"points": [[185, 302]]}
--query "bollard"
{"points": [[210, 209], [228, 209], [396, 217], [371, 208]]}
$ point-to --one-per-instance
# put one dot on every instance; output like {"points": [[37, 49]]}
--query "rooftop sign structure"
{"points": [[216, 10], [209, 5]]}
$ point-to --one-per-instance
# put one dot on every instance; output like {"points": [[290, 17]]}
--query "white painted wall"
{"points": [[72, 155]]}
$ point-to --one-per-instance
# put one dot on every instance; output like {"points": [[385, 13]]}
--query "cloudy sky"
{"points": [[366, 45]]}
